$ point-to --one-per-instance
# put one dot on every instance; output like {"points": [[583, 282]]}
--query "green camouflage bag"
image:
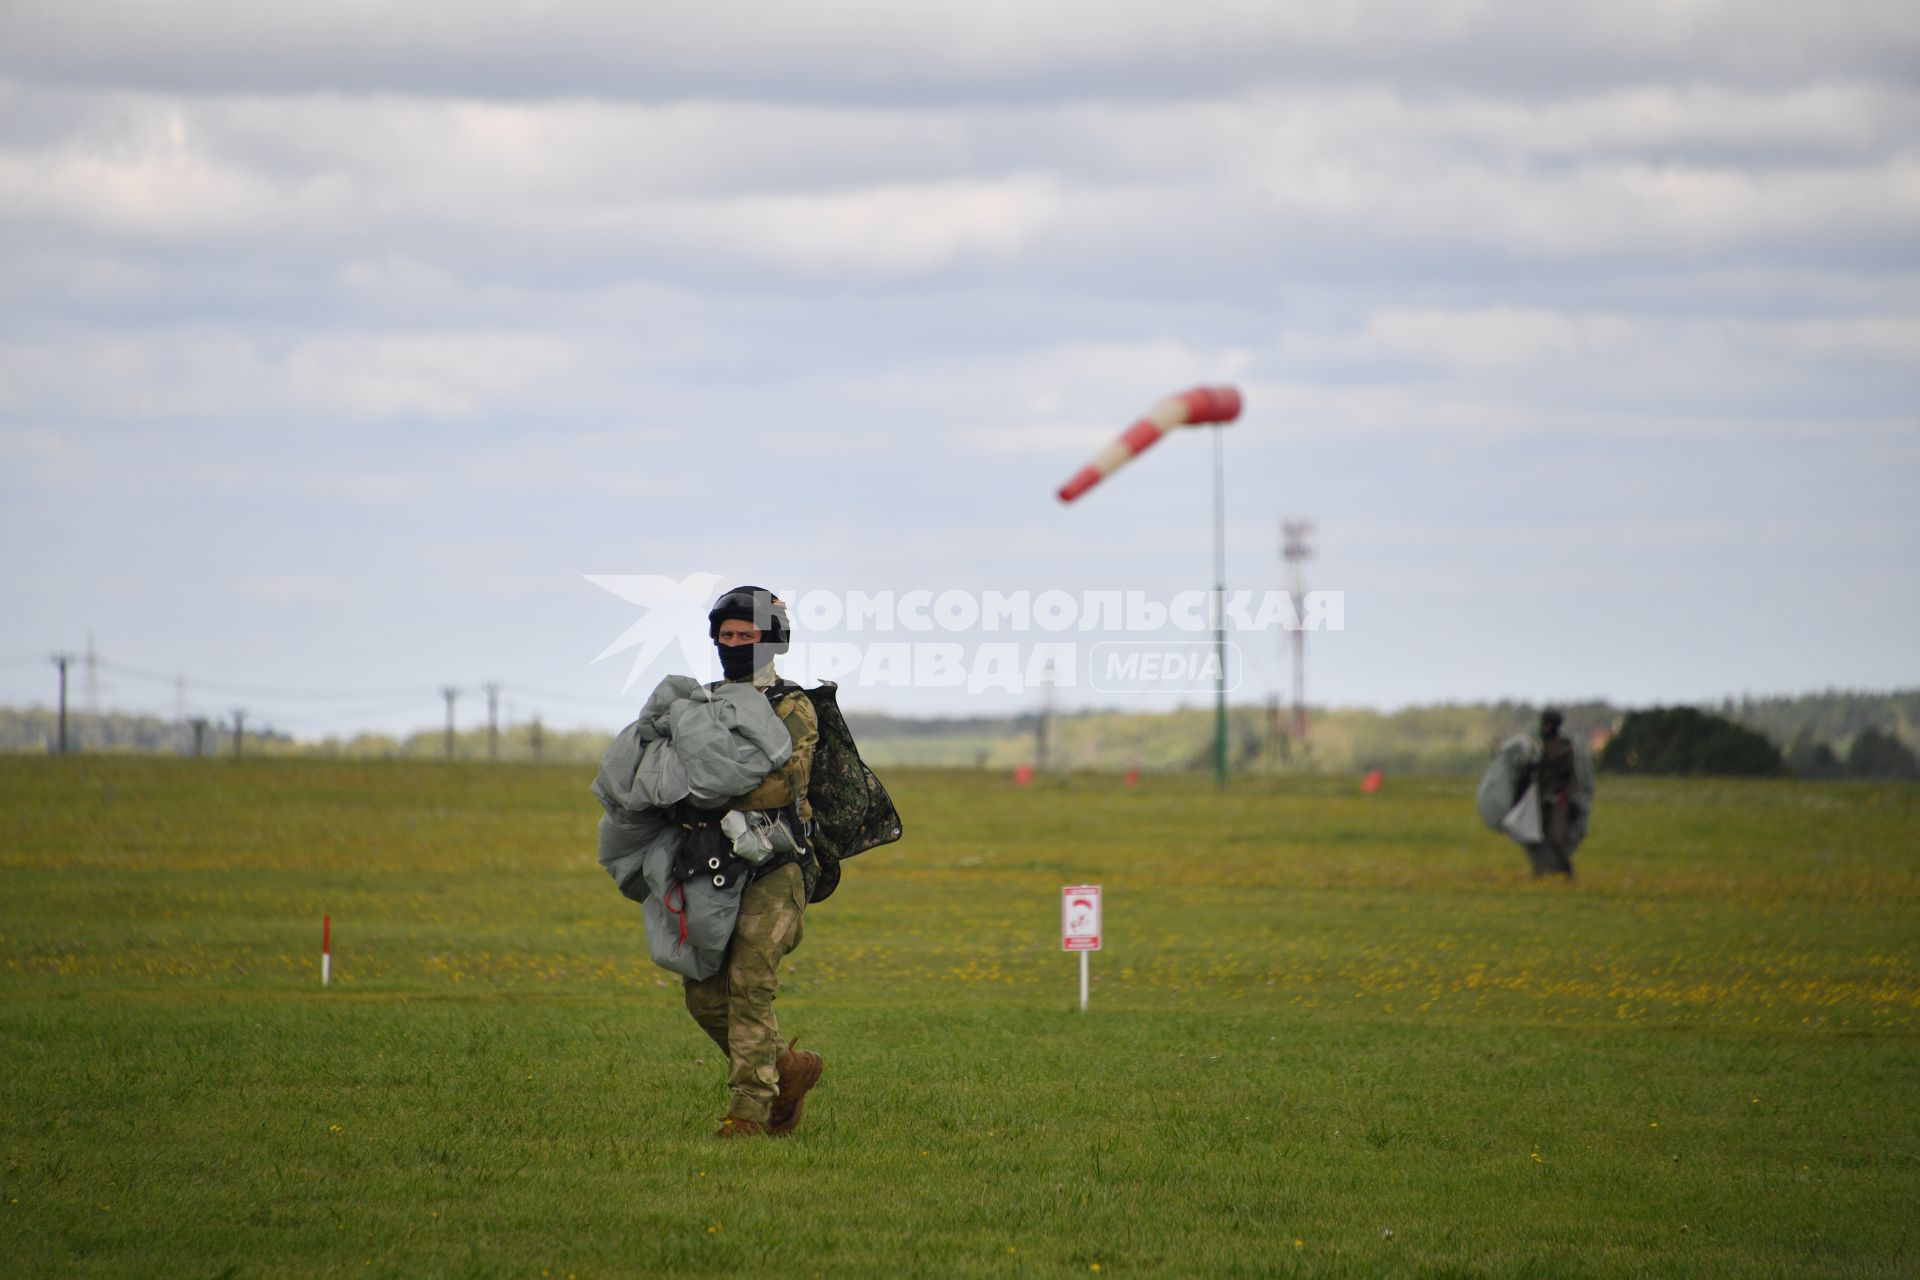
{"points": [[851, 809]]}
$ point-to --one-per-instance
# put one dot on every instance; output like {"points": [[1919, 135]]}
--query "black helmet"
{"points": [[757, 606]]}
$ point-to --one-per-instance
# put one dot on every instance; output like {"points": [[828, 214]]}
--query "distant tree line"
{"points": [[1872, 754], [1834, 717], [1684, 740], [38, 729], [1837, 734]]}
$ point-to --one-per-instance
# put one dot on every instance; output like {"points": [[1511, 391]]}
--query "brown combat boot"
{"points": [[735, 1127], [799, 1072]]}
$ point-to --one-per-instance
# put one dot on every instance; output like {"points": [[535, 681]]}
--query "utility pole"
{"points": [[199, 735], [537, 737], [1296, 549], [62, 661], [1043, 727], [93, 680], [493, 719], [449, 693], [239, 729]]}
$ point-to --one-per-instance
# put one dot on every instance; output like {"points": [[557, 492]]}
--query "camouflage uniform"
{"points": [[735, 1005]]}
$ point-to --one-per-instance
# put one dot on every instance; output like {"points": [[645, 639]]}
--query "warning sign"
{"points": [[1080, 917]]}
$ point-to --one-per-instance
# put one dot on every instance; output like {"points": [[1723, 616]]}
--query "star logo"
{"points": [[676, 612]]}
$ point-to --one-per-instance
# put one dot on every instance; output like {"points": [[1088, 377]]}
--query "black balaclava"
{"points": [[758, 607], [1550, 722]]}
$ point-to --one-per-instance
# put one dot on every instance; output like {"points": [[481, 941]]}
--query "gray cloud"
{"points": [[377, 317], [870, 50]]}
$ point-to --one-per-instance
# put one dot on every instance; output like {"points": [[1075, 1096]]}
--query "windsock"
{"points": [[1189, 408]]}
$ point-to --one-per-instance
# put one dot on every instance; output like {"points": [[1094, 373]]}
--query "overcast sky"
{"points": [[341, 342]]}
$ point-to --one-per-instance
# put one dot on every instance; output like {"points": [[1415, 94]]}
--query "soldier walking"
{"points": [[1554, 776], [767, 1078]]}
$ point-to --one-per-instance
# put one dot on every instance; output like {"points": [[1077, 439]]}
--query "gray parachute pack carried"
{"points": [[670, 843], [1508, 801]]}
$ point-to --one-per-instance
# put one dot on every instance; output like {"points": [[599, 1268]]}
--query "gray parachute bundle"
{"points": [[1509, 775], [700, 746]]}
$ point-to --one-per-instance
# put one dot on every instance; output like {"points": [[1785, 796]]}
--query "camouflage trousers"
{"points": [[1551, 856], [735, 1005]]}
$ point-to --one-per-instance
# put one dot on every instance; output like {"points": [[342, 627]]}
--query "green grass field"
{"points": [[1330, 1034]]}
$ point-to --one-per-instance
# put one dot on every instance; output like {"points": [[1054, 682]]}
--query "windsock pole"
{"points": [[326, 950], [1200, 406], [1220, 608]]}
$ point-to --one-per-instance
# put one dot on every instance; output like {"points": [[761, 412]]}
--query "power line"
{"points": [[264, 691], [328, 709], [611, 703], [334, 715], [417, 693]]}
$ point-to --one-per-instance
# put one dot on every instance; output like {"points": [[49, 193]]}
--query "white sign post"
{"points": [[1080, 926]]}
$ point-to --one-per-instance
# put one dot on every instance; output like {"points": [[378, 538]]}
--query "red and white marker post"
{"points": [[1080, 926], [1187, 409], [326, 950]]}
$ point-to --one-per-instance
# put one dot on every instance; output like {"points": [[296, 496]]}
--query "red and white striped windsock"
{"points": [[1188, 409]]}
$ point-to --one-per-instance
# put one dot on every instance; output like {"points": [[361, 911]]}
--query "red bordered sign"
{"points": [[1080, 917]]}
